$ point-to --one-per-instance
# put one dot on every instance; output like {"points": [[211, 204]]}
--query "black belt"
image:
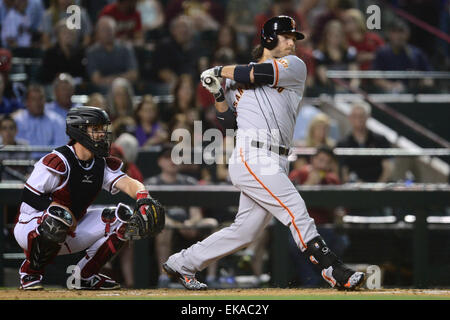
{"points": [[277, 149]]}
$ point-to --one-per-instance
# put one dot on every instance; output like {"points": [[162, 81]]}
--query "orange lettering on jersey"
{"points": [[238, 96], [283, 62]]}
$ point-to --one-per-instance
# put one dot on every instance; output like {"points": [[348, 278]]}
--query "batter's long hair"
{"points": [[257, 52]]}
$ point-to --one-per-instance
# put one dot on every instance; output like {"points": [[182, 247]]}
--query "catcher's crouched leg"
{"points": [[333, 271], [103, 250], [44, 244]]}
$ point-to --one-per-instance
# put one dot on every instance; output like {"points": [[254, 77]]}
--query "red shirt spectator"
{"points": [[128, 19], [369, 43], [280, 7], [317, 173], [364, 41], [130, 168]]}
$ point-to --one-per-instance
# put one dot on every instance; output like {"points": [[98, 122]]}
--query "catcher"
{"points": [[55, 217]]}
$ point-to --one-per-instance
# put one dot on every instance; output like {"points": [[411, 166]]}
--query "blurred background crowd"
{"points": [[141, 59]]}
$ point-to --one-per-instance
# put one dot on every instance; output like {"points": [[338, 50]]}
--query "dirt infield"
{"points": [[238, 294]]}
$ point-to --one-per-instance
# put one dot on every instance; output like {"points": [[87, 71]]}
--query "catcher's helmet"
{"points": [[77, 121], [278, 25]]}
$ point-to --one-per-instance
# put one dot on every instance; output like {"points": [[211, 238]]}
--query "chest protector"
{"points": [[82, 185]]}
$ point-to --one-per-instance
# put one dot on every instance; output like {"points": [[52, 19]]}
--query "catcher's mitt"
{"points": [[148, 219]]}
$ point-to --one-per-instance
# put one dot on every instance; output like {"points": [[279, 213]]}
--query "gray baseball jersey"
{"points": [[274, 107]]}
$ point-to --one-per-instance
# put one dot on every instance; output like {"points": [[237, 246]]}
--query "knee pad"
{"points": [[56, 224], [319, 254], [120, 214]]}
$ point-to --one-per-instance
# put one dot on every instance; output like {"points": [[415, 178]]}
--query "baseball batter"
{"points": [[265, 96]]}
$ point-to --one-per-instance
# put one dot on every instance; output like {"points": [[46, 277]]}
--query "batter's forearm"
{"points": [[229, 73], [130, 186]]}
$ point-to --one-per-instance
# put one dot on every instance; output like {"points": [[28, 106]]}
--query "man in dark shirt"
{"points": [[399, 55], [66, 56], [364, 168], [178, 54], [109, 58]]}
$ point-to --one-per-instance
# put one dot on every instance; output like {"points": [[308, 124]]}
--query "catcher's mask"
{"points": [[90, 126], [278, 25]]}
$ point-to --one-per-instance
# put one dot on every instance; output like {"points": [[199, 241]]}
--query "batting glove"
{"points": [[212, 84], [215, 72]]}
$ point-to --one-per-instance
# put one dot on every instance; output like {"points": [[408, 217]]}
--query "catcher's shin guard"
{"points": [[333, 271], [91, 265], [44, 242]]}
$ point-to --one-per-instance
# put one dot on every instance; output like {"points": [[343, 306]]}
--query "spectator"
{"points": [[108, 58], [63, 90], [5, 70], [365, 42], [128, 20], [318, 132], [280, 7], [66, 55], [205, 14], [96, 99], [8, 131], [182, 221], [399, 55], [7, 105], [149, 130], [95, 7], [18, 29], [185, 100], [318, 135], [130, 147], [318, 172], [334, 11], [177, 54], [152, 17], [364, 168], [35, 11], [242, 18], [121, 106], [227, 38], [126, 255], [38, 126], [333, 53], [57, 12]]}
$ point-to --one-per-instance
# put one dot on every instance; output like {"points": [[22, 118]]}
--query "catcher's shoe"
{"points": [[189, 283], [96, 282], [343, 278], [31, 282]]}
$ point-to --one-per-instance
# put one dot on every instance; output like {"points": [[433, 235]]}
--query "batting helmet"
{"points": [[77, 121], [278, 25]]}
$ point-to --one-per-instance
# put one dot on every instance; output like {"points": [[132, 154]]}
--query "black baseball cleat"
{"points": [[190, 283], [96, 282], [31, 282], [343, 278]]}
